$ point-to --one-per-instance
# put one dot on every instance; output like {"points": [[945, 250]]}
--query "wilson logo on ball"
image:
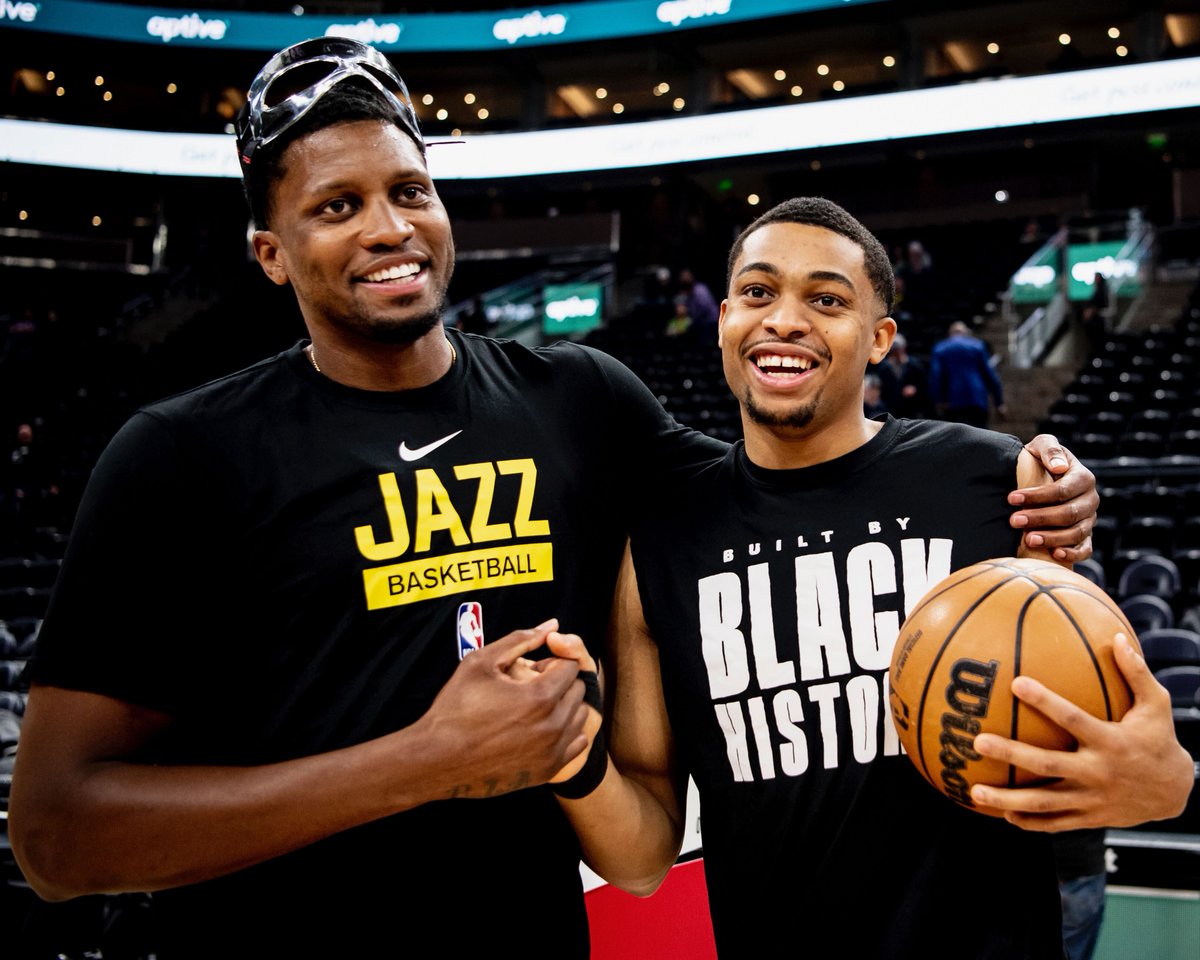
{"points": [[967, 695]]}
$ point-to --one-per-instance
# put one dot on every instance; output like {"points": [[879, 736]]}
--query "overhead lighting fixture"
{"points": [[1001, 196], [49, 75], [443, 113], [468, 98], [483, 113], [601, 93], [1113, 33], [815, 165], [1064, 38], [678, 104], [427, 99], [889, 61], [59, 92], [839, 86], [780, 74], [618, 108], [823, 69], [754, 199], [1122, 50], [797, 90], [107, 96], [22, 214], [993, 48], [96, 221], [171, 88], [99, 81]]}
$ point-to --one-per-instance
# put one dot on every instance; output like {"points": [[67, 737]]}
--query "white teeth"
{"points": [[394, 273], [775, 360]]}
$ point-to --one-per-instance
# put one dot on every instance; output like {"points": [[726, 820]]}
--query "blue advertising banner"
{"points": [[597, 20]]}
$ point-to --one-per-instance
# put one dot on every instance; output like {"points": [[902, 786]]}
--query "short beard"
{"points": [[408, 331], [796, 418]]}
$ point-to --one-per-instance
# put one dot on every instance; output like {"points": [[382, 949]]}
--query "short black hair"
{"points": [[352, 99], [819, 212]]}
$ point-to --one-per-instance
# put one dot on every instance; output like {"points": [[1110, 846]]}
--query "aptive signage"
{"points": [[1086, 260], [191, 25], [20, 12], [675, 12], [529, 27], [572, 307], [418, 32], [367, 31], [1037, 280]]}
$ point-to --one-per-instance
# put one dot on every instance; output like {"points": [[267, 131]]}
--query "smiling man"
{"points": [[295, 733], [754, 642]]}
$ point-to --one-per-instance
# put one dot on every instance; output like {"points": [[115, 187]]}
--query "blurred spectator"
{"points": [[915, 278], [873, 405], [961, 378], [905, 382], [701, 306]]}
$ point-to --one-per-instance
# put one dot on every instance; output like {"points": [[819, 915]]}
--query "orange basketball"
{"points": [[963, 644]]}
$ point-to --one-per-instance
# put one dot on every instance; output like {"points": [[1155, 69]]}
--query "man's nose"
{"points": [[385, 224], [789, 318]]}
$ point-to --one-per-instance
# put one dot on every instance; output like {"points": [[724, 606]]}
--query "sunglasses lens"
{"points": [[296, 80]]}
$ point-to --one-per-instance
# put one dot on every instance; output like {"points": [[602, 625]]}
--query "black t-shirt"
{"points": [[775, 598], [280, 563]]}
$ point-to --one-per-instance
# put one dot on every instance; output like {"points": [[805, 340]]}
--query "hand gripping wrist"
{"points": [[592, 772]]}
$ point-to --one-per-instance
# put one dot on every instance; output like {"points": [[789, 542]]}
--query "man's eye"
{"points": [[754, 291], [337, 206], [412, 191], [828, 300]]}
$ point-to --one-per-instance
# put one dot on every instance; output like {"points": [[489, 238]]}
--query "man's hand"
{"points": [[1121, 774], [514, 723], [1058, 516], [570, 647]]}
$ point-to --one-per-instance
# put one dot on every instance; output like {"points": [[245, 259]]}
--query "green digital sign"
{"points": [[1086, 260], [1037, 280], [572, 307]]}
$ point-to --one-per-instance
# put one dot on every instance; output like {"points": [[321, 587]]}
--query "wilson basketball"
{"points": [[966, 640]]}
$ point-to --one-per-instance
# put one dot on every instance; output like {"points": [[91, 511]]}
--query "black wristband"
{"points": [[596, 766]]}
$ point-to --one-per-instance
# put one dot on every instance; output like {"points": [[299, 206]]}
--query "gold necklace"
{"points": [[312, 355]]}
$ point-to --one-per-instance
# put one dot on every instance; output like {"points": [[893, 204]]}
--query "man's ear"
{"points": [[721, 322], [269, 255], [885, 333]]}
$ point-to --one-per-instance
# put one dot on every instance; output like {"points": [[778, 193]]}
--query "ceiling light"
{"points": [[780, 74], [443, 113], [1002, 196], [59, 92], [1122, 50], [96, 221], [99, 81], [23, 215], [823, 69], [49, 75], [1113, 33], [171, 88], [601, 93], [483, 113], [815, 165], [1064, 38], [839, 86], [468, 98], [889, 61], [107, 95], [678, 104], [427, 99], [753, 199], [993, 48], [797, 90], [618, 108]]}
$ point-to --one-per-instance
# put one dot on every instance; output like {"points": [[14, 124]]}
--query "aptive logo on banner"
{"points": [[571, 307], [365, 31], [675, 12], [190, 27], [25, 12], [531, 25]]}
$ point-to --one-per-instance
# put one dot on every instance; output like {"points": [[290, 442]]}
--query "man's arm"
{"points": [[1057, 514], [631, 825], [89, 815], [1121, 773]]}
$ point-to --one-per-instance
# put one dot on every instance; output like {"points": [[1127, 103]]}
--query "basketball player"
{"points": [[772, 585], [287, 736]]}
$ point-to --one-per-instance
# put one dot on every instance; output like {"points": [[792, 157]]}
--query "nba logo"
{"points": [[470, 628]]}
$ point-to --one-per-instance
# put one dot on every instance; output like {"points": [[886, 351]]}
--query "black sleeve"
{"points": [[664, 451], [126, 616]]}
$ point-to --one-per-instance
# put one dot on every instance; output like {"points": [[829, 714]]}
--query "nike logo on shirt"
{"points": [[408, 456]]}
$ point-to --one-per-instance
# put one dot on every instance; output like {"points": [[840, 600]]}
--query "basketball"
{"points": [[966, 640]]}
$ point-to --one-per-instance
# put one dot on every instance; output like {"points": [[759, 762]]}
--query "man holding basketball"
{"points": [[296, 730], [753, 646]]}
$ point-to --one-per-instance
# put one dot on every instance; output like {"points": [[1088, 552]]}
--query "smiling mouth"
{"points": [[402, 271], [774, 364]]}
